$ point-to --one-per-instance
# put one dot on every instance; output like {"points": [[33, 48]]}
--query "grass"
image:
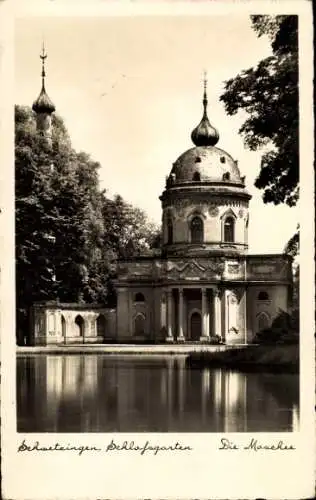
{"points": [[273, 358]]}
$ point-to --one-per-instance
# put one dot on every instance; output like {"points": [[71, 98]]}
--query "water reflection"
{"points": [[102, 393]]}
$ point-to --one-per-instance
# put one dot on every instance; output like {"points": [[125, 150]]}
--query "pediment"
{"points": [[229, 213]]}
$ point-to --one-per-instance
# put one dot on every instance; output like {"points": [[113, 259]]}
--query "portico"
{"points": [[193, 313]]}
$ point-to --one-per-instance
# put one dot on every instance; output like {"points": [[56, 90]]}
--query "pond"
{"points": [[149, 393]]}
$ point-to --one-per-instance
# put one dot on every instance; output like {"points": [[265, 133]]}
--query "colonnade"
{"points": [[209, 303]]}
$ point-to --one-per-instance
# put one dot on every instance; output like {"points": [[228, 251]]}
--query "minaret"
{"points": [[43, 106], [205, 134]]}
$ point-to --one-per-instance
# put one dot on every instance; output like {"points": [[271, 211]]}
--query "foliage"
{"points": [[68, 233], [292, 246], [292, 249], [129, 232], [268, 93], [284, 330]]}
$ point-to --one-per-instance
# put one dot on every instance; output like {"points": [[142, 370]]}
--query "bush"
{"points": [[215, 340], [284, 330]]}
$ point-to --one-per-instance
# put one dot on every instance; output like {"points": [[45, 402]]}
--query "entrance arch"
{"points": [[139, 324], [63, 327], [79, 326], [195, 325]]}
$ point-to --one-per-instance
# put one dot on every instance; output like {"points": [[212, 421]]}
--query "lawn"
{"points": [[279, 357]]}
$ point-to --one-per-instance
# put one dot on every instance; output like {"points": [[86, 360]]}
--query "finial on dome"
{"points": [[205, 102], [205, 134], [43, 104], [43, 56]]}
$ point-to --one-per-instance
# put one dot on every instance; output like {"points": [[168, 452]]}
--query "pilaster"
{"points": [[169, 316], [205, 318], [180, 331]]}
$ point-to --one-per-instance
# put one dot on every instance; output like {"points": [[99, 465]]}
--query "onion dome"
{"points": [[205, 134], [205, 164], [43, 104]]}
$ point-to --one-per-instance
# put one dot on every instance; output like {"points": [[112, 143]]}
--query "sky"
{"points": [[130, 92]]}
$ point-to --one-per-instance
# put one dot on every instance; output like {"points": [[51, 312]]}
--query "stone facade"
{"points": [[203, 285], [57, 323], [195, 299]]}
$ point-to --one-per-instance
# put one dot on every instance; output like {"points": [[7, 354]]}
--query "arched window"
{"points": [[263, 321], [139, 324], [226, 176], [196, 176], [101, 325], [229, 229], [263, 296], [169, 231], [197, 235], [139, 297]]}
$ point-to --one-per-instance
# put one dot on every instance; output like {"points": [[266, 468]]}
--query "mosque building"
{"points": [[204, 287]]}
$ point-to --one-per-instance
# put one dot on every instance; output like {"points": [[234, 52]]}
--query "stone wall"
{"points": [[55, 323], [212, 211], [137, 314], [261, 310]]}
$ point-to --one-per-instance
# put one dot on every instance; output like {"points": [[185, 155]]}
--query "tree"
{"points": [[59, 225], [127, 228], [292, 249], [69, 235], [268, 93], [292, 246]]}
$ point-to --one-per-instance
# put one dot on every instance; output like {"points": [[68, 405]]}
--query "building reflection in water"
{"points": [[99, 393]]}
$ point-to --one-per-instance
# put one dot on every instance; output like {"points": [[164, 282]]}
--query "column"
{"points": [[169, 316], [205, 317], [86, 329], [217, 312], [180, 317]]}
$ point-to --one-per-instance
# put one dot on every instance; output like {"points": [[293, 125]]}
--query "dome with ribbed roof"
{"points": [[205, 164]]}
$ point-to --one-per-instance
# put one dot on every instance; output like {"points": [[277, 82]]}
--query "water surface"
{"points": [[111, 393]]}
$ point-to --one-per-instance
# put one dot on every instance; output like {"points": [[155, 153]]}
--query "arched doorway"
{"points": [[139, 325], [79, 323], [195, 326]]}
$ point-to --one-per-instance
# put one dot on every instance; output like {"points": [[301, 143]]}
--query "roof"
{"points": [[205, 164]]}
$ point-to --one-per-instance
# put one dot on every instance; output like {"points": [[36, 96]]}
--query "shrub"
{"points": [[215, 340], [284, 330]]}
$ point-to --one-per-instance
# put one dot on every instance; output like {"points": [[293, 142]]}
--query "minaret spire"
{"points": [[43, 106], [43, 56], [205, 134]]}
